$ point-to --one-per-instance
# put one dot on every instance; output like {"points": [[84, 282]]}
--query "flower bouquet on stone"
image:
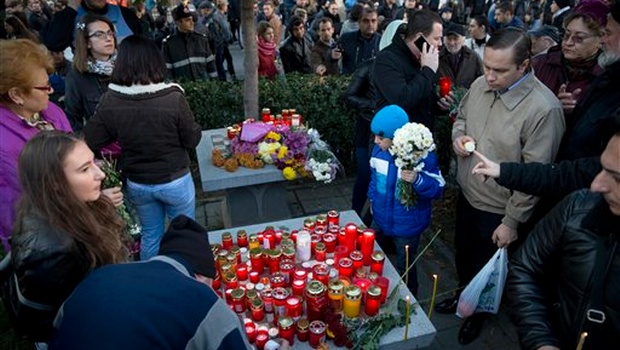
{"points": [[411, 144], [133, 231], [321, 161]]}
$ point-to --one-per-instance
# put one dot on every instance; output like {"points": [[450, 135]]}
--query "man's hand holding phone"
{"points": [[429, 55]]}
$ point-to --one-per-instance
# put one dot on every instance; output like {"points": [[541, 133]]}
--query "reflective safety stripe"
{"points": [[189, 61]]}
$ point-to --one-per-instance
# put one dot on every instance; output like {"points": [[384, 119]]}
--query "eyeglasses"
{"points": [[577, 39], [102, 35], [46, 88]]}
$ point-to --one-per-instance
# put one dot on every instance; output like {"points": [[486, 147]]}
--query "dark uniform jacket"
{"points": [[189, 57]]}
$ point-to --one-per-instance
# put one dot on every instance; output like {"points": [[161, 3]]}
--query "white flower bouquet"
{"points": [[411, 144], [321, 161]]}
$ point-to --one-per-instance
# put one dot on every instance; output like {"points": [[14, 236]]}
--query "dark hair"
{"points": [[482, 20], [139, 61], [20, 29], [80, 59], [356, 12], [326, 19], [512, 38], [262, 28], [367, 11], [422, 22], [505, 6], [295, 21], [590, 22], [96, 226]]}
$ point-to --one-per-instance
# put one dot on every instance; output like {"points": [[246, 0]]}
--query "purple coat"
{"points": [[14, 133]]}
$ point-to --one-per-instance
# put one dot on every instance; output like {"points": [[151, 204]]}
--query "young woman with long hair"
{"points": [[64, 229]]}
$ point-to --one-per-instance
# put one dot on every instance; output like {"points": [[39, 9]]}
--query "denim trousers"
{"points": [[155, 203]]}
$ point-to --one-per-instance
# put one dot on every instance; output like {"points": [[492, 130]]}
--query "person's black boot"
{"points": [[447, 306], [471, 328]]}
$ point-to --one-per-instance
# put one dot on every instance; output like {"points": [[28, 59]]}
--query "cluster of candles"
{"points": [[288, 117], [282, 282]]}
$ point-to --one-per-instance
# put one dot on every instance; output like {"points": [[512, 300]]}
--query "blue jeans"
{"points": [[155, 203], [400, 243]]}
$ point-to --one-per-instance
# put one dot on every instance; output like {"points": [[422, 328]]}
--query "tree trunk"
{"points": [[250, 60]]}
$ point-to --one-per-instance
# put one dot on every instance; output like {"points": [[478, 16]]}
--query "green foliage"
{"points": [[320, 101]]}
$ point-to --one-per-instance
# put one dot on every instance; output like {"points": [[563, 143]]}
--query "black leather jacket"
{"points": [[47, 265], [563, 249]]}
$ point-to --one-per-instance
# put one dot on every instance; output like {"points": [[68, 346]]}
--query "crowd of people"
{"points": [[538, 119]]}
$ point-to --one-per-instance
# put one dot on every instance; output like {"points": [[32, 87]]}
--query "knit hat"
{"points": [[388, 120], [188, 240], [562, 3], [595, 9], [183, 11]]}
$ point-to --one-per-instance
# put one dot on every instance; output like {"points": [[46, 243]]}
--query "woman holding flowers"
{"points": [[155, 127], [405, 178]]}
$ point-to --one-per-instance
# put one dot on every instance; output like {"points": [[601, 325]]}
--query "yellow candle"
{"points": [[582, 339], [336, 294], [407, 313], [352, 301], [430, 309], [407, 264]]}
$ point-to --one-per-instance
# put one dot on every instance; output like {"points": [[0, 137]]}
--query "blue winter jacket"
{"points": [[389, 214]]}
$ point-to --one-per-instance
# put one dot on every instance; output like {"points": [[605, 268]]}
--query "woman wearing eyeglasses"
{"points": [[569, 68], [95, 51], [24, 111]]}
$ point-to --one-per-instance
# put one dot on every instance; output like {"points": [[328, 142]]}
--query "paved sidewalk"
{"points": [[310, 198]]}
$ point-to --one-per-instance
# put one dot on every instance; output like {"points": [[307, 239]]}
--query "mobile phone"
{"points": [[419, 43]]}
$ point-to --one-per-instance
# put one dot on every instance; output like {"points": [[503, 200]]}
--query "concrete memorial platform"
{"points": [[252, 195], [421, 331]]}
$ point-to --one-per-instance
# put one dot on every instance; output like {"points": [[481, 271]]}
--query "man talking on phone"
{"points": [[405, 71]]}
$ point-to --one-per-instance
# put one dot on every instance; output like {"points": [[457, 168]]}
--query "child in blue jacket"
{"points": [[403, 225]]}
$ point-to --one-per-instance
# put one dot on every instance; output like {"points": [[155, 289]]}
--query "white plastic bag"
{"points": [[484, 292]]}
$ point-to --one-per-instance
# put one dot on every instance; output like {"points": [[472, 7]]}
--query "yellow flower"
{"points": [[289, 173], [282, 152], [273, 135]]}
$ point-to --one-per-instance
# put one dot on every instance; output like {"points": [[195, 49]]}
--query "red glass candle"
{"points": [[363, 283], [266, 115], [345, 267], [242, 272], [267, 300], [341, 251], [316, 300], [279, 301], [250, 296], [250, 330], [274, 260], [286, 329], [227, 296], [227, 241], [330, 242], [254, 277], [287, 268], [294, 234], [367, 244], [445, 84], [217, 282], [301, 274], [261, 340], [288, 253], [237, 253], [242, 238], [294, 307], [256, 259], [238, 300], [277, 280], [377, 262], [350, 231], [269, 239], [298, 287], [320, 252], [342, 237], [321, 222], [309, 224], [333, 219], [358, 259], [314, 239], [320, 272], [384, 284], [317, 333], [302, 329], [257, 310]]}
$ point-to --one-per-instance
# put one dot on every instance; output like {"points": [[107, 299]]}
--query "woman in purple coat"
{"points": [[24, 111]]}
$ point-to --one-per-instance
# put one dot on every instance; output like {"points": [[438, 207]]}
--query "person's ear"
{"points": [[16, 96]]}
